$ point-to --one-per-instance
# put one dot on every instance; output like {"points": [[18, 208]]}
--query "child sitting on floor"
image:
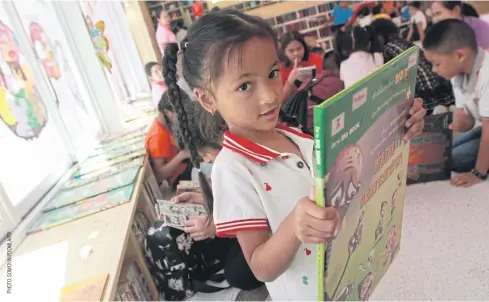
{"points": [[451, 46], [361, 53], [154, 72]]}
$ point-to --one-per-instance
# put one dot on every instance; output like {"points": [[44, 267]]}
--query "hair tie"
{"points": [[183, 45]]}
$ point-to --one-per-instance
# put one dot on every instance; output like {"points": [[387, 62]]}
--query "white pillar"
{"points": [[126, 50], [107, 105]]}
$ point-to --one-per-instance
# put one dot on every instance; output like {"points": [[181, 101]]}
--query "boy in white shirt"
{"points": [[451, 46]]}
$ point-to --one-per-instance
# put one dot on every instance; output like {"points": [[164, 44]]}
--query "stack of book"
{"points": [[133, 287]]}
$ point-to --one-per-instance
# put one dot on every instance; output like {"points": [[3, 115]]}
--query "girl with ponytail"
{"points": [[262, 182], [361, 53]]}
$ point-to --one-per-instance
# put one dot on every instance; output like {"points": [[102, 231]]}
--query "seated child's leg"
{"points": [[465, 150]]}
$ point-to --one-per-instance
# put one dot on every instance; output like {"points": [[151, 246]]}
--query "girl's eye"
{"points": [[274, 74], [244, 87]]}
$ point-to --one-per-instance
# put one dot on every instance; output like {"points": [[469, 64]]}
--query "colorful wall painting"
{"points": [[21, 107], [100, 41], [44, 50]]}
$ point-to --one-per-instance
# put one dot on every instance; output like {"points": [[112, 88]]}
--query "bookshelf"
{"points": [[310, 21], [178, 10], [181, 10]]}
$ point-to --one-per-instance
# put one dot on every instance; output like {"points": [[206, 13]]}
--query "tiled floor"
{"points": [[445, 246]]}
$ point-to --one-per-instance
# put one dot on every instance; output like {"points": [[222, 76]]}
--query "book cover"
{"points": [[361, 169], [88, 290], [67, 197], [100, 174], [82, 209], [431, 152]]}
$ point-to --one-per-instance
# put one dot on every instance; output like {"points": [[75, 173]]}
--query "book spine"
{"points": [[319, 174]]}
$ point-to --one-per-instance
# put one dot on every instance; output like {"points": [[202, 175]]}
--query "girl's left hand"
{"points": [[199, 229], [415, 123]]}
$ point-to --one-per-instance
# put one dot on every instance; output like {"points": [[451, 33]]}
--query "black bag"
{"points": [[179, 265], [297, 106]]}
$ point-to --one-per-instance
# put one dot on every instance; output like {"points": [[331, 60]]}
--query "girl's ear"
{"points": [[206, 100]]}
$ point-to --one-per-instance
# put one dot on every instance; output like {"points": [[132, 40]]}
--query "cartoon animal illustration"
{"points": [[345, 292], [353, 244], [44, 50], [356, 238], [21, 108], [380, 226], [365, 287], [370, 258], [393, 204], [391, 247], [99, 41], [342, 184]]}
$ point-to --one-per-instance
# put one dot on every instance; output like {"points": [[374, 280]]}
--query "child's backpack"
{"points": [[310, 94], [179, 265]]}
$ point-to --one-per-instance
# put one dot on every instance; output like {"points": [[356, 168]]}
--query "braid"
{"points": [[174, 93]]}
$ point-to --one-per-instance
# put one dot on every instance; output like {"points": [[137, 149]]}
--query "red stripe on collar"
{"points": [[253, 151]]}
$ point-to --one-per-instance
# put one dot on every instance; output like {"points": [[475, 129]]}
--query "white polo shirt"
{"points": [[472, 92], [255, 188]]}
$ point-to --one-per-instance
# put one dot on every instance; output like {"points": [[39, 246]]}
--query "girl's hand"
{"points": [[312, 223], [415, 123], [199, 229], [188, 197], [294, 74]]}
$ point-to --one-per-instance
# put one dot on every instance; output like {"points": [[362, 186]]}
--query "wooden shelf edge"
{"points": [[143, 265]]}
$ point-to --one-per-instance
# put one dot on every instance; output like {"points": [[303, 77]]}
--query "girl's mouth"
{"points": [[270, 113]]}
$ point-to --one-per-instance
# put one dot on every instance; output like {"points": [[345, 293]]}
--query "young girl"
{"points": [[168, 163], [296, 54], [359, 46], [443, 10], [262, 178]]}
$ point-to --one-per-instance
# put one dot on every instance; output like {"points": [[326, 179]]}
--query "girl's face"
{"points": [[157, 73], [248, 94], [441, 13], [295, 50]]}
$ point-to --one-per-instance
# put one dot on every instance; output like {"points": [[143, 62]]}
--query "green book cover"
{"points": [[361, 169]]}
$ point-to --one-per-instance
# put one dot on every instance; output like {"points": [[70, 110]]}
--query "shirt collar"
{"points": [[474, 76], [257, 152]]}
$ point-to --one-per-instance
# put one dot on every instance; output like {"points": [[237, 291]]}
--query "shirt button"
{"points": [[300, 165]]}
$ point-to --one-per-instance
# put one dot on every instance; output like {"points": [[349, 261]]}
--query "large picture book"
{"points": [[67, 197], [431, 152], [79, 210], [361, 169]]}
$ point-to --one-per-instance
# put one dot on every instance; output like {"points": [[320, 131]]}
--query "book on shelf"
{"points": [[361, 163], [133, 286], [431, 152], [188, 186]]}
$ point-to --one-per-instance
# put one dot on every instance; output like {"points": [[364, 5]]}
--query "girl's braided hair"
{"points": [[213, 37]]}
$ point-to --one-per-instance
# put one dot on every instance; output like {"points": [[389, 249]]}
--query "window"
{"points": [[33, 154], [51, 48]]}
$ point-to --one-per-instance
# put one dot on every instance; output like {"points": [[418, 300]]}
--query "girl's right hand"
{"points": [[314, 224], [294, 74]]}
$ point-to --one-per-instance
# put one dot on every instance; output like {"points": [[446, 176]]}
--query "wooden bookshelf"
{"points": [[311, 21], [178, 10]]}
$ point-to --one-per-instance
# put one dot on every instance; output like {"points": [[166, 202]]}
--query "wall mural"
{"points": [[51, 55], [100, 42], [21, 107]]}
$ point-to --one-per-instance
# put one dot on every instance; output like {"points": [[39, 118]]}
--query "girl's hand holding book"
{"points": [[313, 223], [189, 197], [415, 123]]}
